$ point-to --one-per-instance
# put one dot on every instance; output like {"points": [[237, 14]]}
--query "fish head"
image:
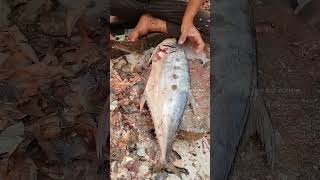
{"points": [[165, 48], [171, 42]]}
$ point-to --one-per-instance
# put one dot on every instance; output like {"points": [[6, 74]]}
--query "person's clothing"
{"points": [[171, 11]]}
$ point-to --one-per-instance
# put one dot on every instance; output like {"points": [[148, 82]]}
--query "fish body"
{"points": [[167, 92]]}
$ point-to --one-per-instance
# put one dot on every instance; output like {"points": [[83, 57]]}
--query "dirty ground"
{"points": [[288, 63]]}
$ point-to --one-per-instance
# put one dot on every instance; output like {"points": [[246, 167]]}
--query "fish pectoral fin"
{"points": [[149, 61], [192, 102], [142, 101], [153, 54]]}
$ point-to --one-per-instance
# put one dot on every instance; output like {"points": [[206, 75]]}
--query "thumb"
{"points": [[182, 38]]}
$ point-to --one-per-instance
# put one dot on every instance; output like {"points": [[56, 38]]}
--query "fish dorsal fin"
{"points": [[143, 101]]}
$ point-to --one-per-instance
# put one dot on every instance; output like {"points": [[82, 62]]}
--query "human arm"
{"points": [[188, 30]]}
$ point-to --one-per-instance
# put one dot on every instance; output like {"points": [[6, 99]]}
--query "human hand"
{"points": [[190, 32]]}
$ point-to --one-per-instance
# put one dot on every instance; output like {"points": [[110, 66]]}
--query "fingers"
{"points": [[195, 38], [200, 46], [133, 36], [197, 42], [186, 28], [183, 38]]}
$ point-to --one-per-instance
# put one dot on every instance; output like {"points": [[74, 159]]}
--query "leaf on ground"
{"points": [[50, 57], [9, 113], [86, 128], [83, 87], [73, 147], [14, 3], [23, 168], [74, 10], [17, 52], [53, 171], [77, 59], [31, 108], [8, 92], [115, 118], [10, 138], [50, 126], [37, 73], [88, 53], [137, 78], [122, 143], [53, 23], [118, 86], [4, 12], [31, 11]]}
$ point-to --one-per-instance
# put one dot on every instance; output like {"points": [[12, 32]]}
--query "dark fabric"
{"points": [[232, 82], [129, 10], [170, 11]]}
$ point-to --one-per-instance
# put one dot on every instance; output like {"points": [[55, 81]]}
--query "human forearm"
{"points": [[188, 30], [191, 10]]}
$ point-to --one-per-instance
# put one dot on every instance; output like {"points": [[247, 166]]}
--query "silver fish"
{"points": [[167, 93]]}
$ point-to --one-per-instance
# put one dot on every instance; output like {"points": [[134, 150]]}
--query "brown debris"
{"points": [[52, 93], [22, 168], [50, 127]]}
